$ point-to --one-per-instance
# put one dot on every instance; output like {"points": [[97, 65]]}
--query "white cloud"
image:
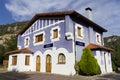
{"points": [[23, 9], [105, 12]]}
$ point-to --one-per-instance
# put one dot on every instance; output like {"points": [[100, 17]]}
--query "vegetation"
{"points": [[88, 64], [11, 28], [114, 43], [9, 45]]}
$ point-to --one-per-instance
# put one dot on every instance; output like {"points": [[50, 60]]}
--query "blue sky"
{"points": [[105, 12]]}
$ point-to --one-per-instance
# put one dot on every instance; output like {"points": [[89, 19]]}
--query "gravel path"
{"points": [[47, 76]]}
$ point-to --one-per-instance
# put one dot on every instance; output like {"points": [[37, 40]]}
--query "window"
{"points": [[98, 38], [27, 60], [39, 38], [61, 58], [26, 42], [79, 31], [14, 60], [55, 33]]}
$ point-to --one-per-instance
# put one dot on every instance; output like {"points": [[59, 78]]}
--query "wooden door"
{"points": [[38, 63], [48, 63]]}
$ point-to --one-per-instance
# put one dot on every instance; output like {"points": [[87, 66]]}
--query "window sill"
{"points": [[61, 63]]}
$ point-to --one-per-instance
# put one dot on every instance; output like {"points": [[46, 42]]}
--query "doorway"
{"points": [[48, 63], [38, 63]]}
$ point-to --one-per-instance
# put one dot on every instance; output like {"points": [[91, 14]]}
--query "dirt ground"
{"points": [[4, 75]]}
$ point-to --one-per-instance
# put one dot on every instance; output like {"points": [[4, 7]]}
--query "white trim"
{"points": [[82, 31], [19, 47], [69, 36], [51, 32], [25, 41], [38, 43], [99, 38], [50, 25]]}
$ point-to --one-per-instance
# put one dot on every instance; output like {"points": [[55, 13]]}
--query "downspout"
{"points": [[74, 39]]}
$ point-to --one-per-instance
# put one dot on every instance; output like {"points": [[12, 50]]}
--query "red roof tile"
{"points": [[24, 50], [94, 46]]}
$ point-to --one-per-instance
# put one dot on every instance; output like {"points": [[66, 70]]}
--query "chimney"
{"points": [[89, 13]]}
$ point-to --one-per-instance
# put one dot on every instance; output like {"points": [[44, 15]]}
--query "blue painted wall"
{"points": [[68, 25]]}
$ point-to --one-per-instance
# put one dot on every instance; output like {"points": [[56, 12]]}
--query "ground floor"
{"points": [[58, 61]]}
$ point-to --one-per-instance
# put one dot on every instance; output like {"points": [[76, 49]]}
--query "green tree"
{"points": [[114, 43], [88, 64], [11, 44], [2, 51]]}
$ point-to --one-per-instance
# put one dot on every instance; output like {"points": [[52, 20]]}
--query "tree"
{"points": [[114, 43], [88, 64], [2, 51], [11, 44]]}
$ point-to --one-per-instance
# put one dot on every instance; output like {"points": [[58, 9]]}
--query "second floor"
{"points": [[59, 29]]}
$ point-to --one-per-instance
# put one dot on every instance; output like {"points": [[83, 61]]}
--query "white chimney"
{"points": [[89, 13]]}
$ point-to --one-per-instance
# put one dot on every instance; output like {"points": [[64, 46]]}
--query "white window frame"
{"points": [[76, 31], [97, 34], [51, 32], [28, 41], [38, 43]]}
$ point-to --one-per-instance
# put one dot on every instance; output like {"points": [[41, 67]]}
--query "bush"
{"points": [[88, 64]]}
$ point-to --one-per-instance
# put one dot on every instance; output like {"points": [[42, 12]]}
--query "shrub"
{"points": [[88, 64]]}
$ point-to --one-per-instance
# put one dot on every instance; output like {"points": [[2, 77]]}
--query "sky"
{"points": [[106, 13]]}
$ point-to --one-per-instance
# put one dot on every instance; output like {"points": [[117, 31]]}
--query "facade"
{"points": [[54, 41]]}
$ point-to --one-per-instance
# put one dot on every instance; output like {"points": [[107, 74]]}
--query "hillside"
{"points": [[8, 30], [114, 43]]}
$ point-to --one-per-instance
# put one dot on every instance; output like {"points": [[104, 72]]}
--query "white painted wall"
{"points": [[102, 61], [65, 69], [20, 66]]}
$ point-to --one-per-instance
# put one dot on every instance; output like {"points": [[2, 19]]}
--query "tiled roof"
{"points": [[72, 13], [94, 46], [24, 50]]}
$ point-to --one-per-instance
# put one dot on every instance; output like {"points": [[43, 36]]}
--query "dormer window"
{"points": [[79, 31]]}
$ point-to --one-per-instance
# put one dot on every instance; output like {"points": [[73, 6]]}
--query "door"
{"points": [[48, 63], [38, 63]]}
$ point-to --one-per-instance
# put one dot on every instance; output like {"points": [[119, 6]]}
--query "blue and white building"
{"points": [[54, 41]]}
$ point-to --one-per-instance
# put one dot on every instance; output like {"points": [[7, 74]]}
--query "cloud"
{"points": [[23, 9], [105, 12]]}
